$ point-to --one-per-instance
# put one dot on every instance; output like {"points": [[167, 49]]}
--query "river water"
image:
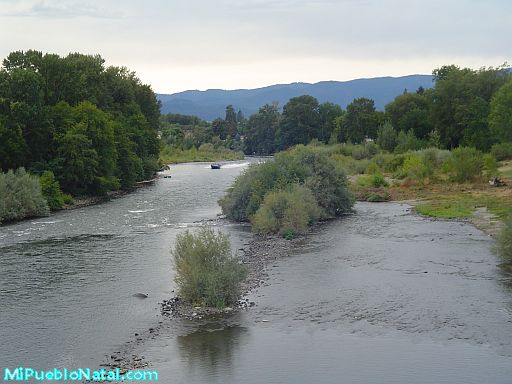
{"points": [[381, 296]]}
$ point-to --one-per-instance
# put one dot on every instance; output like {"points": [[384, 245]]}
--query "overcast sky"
{"points": [[199, 44]]}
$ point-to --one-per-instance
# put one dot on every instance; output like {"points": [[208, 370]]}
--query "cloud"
{"points": [[58, 9]]}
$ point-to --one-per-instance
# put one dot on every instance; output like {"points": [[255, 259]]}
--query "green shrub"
{"points": [[502, 151], [465, 164], [394, 162], [21, 196], [364, 151], [379, 181], [415, 168], [349, 165], [51, 191], [407, 142], [433, 158], [504, 241], [308, 166], [387, 137], [287, 212], [490, 166], [372, 168], [377, 196], [207, 273]]}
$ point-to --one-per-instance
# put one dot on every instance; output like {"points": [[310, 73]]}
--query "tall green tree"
{"points": [[57, 113], [360, 121], [328, 113], [411, 111], [300, 121], [500, 118], [461, 104], [261, 130]]}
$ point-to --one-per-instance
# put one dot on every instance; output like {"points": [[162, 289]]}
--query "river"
{"points": [[381, 296]]}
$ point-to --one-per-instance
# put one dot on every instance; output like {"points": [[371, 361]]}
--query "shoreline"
{"points": [[87, 201]]}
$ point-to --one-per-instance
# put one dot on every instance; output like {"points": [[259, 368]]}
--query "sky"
{"points": [[177, 45]]}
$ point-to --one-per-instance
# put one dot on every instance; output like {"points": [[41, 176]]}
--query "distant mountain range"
{"points": [[212, 103]]}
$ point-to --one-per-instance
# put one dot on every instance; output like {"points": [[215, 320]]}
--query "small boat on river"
{"points": [[215, 166]]}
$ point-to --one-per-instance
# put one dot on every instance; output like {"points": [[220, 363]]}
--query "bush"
{"points": [[504, 241], [377, 196], [51, 191], [287, 212], [21, 196], [375, 181], [349, 165], [308, 166], [502, 151], [465, 164], [373, 168], [407, 142], [364, 151], [415, 168], [433, 158], [207, 273], [387, 137], [490, 166]]}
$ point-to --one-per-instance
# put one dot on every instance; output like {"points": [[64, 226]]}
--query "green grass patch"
{"points": [[506, 172], [447, 209], [462, 206]]}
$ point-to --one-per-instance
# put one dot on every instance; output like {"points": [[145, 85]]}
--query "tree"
{"points": [[328, 112], [500, 118], [59, 112], [360, 120], [460, 104], [261, 130], [300, 121], [411, 111], [12, 147], [387, 137], [77, 162], [230, 121]]}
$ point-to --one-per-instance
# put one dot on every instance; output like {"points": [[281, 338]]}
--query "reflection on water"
{"points": [[212, 348]]}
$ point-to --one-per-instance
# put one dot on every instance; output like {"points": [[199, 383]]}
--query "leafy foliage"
{"points": [[21, 196], [93, 127], [287, 212], [51, 191], [206, 272], [387, 137], [502, 151], [465, 164], [307, 166]]}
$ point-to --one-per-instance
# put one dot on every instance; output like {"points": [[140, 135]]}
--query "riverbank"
{"points": [[483, 205], [86, 201]]}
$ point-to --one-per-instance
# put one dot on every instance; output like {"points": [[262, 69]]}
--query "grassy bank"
{"points": [[170, 155]]}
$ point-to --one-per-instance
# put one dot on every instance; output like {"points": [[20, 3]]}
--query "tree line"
{"points": [[94, 127], [465, 107]]}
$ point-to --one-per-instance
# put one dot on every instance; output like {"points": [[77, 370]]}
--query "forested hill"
{"points": [[211, 104]]}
